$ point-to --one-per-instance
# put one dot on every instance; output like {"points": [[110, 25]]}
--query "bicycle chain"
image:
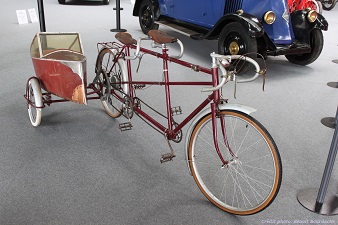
{"points": [[178, 135]]}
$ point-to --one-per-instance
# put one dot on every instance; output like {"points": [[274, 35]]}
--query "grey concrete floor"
{"points": [[77, 167]]}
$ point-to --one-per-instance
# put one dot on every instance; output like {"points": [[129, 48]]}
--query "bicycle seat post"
{"points": [[167, 88]]}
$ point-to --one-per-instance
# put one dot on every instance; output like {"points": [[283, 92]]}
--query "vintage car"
{"points": [[266, 27]]}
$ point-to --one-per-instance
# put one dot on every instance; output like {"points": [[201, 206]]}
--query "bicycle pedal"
{"points": [[176, 110], [167, 157], [125, 126]]}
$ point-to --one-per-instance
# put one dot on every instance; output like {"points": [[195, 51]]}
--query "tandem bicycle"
{"points": [[231, 156]]}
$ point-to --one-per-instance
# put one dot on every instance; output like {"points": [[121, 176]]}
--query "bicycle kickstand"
{"points": [[167, 156]]}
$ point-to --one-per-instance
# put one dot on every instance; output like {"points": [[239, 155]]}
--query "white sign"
{"points": [[22, 16], [32, 15]]}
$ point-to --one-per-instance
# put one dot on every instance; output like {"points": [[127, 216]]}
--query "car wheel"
{"points": [[62, 1], [320, 7], [328, 4], [106, 2], [146, 16], [316, 44], [235, 40]]}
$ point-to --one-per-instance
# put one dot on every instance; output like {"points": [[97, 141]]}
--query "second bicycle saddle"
{"points": [[161, 37]]}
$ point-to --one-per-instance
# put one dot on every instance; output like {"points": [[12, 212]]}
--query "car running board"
{"points": [[183, 30]]}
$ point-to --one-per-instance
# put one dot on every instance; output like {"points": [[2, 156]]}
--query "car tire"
{"points": [[320, 7], [106, 2], [316, 43], [234, 39], [62, 1], [146, 15], [329, 4]]}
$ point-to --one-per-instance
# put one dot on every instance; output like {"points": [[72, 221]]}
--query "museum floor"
{"points": [[77, 167]]}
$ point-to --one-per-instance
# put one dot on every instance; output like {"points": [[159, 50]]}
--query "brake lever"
{"points": [[263, 73], [139, 62]]}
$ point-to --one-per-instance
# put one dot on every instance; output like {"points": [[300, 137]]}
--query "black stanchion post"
{"points": [[41, 16], [328, 170], [325, 203], [118, 18]]}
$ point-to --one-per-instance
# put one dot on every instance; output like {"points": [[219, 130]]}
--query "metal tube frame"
{"points": [[169, 130]]}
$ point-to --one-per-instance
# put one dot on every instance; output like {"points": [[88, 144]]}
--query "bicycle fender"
{"points": [[238, 107], [124, 71], [37, 89]]}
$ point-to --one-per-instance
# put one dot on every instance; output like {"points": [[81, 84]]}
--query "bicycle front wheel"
{"points": [[109, 78], [251, 178]]}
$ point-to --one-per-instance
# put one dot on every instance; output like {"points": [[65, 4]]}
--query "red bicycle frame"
{"points": [[170, 131]]}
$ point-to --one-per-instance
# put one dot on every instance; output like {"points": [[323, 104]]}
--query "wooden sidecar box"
{"points": [[60, 65]]}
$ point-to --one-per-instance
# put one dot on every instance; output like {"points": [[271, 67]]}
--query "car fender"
{"points": [[138, 3], [321, 23], [250, 22], [236, 107], [302, 27]]}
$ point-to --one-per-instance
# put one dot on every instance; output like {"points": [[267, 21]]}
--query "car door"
{"points": [[190, 11], [200, 12], [166, 7]]}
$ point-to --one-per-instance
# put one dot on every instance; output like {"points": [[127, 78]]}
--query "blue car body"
{"points": [[289, 34]]}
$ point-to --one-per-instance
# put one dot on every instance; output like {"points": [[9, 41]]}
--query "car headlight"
{"points": [[269, 17], [240, 11], [312, 16]]}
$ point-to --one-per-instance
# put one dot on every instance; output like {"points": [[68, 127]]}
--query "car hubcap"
{"points": [[233, 48], [146, 17]]}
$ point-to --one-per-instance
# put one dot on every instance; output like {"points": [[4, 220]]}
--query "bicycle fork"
{"points": [[215, 117]]}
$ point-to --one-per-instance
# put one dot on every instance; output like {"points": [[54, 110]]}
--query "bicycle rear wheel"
{"points": [[251, 180], [109, 78]]}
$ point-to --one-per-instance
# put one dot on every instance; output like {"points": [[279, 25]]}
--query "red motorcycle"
{"points": [[303, 4]]}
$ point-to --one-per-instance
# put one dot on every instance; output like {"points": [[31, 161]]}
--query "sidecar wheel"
{"points": [[34, 103], [316, 43]]}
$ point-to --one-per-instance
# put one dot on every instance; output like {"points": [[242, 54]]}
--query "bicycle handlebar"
{"points": [[252, 61], [181, 50], [223, 61], [138, 48], [155, 45]]}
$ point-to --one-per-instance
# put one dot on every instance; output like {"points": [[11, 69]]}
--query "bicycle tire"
{"points": [[250, 182], [109, 78]]}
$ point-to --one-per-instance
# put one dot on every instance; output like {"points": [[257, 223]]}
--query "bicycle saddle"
{"points": [[125, 38], [161, 37]]}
